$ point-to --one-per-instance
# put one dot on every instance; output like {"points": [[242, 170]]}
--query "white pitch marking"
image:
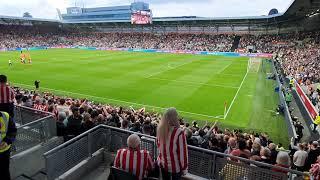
{"points": [[126, 102], [190, 82], [167, 69], [234, 98]]}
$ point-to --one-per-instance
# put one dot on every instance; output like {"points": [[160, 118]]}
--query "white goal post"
{"points": [[254, 64]]}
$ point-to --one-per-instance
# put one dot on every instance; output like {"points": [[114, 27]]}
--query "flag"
{"points": [[225, 108], [142, 110]]}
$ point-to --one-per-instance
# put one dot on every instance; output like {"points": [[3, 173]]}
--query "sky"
{"points": [[160, 8]]}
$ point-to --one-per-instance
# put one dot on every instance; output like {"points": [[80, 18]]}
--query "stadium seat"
{"points": [[118, 174]]}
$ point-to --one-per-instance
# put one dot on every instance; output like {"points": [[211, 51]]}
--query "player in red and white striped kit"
{"points": [[133, 160], [172, 147]]}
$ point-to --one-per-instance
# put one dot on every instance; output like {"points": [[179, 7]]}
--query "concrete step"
{"points": [[31, 161], [100, 173], [39, 176]]}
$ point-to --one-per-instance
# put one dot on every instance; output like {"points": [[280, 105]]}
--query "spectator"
{"points": [[231, 145], [283, 160], [265, 155], [256, 148], [61, 129], [242, 150], [313, 154], [172, 146], [87, 123], [315, 169], [274, 153], [136, 127], [62, 107], [133, 160], [125, 124], [299, 158], [7, 97], [214, 145], [74, 123], [147, 129]]}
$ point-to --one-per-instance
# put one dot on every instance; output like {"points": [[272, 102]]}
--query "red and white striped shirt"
{"points": [[40, 107], [136, 162], [6, 94], [173, 154]]}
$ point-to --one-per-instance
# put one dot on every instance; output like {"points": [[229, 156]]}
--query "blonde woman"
{"points": [[172, 147]]}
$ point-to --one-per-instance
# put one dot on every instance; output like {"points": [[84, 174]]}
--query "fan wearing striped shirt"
{"points": [[134, 160], [7, 96], [172, 147]]}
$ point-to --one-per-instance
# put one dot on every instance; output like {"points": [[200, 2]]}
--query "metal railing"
{"points": [[24, 115], [291, 129], [202, 162], [39, 129]]}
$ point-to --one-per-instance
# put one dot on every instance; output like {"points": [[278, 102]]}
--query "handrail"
{"points": [[189, 147], [71, 141], [34, 122], [245, 160], [283, 97], [32, 109], [89, 131]]}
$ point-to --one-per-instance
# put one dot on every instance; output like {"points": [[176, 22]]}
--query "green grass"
{"points": [[196, 85]]}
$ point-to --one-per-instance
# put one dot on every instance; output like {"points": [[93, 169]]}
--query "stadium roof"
{"points": [[301, 8], [298, 10], [25, 20]]}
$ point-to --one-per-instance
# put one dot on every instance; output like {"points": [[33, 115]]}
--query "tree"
{"points": [[27, 15]]}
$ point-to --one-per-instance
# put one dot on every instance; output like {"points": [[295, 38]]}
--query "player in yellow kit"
{"points": [[28, 57], [22, 58]]}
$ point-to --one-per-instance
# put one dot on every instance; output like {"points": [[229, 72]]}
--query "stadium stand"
{"points": [[90, 115], [76, 116], [93, 132]]}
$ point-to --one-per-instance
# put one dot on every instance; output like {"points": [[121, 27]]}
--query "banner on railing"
{"points": [[306, 102], [231, 54]]}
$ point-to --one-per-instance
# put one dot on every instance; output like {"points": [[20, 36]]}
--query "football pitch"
{"points": [[199, 86]]}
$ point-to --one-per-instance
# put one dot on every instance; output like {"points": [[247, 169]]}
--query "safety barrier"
{"points": [[231, 54], [305, 101], [35, 132], [24, 115], [202, 162], [291, 129]]}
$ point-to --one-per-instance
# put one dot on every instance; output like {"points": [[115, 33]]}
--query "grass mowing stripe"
{"points": [[235, 96], [169, 69], [121, 76], [195, 83], [116, 100]]}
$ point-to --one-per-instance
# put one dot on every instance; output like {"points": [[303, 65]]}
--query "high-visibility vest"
{"points": [[4, 122], [292, 81], [317, 120]]}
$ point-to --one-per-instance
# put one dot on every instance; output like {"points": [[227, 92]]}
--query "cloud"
{"points": [[204, 8]]}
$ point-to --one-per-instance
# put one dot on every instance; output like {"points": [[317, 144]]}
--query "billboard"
{"points": [[306, 102], [141, 17]]}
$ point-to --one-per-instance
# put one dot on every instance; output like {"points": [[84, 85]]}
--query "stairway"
{"points": [[235, 43], [30, 164], [41, 175]]}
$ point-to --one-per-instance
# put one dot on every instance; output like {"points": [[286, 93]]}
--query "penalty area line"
{"points": [[236, 95], [121, 101], [168, 69], [194, 83]]}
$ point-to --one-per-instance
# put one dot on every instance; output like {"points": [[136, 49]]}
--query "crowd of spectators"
{"points": [[12, 37], [75, 116], [298, 55]]}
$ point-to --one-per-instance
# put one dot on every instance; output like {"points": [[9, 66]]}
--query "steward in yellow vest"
{"points": [[291, 83], [317, 120], [8, 132]]}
